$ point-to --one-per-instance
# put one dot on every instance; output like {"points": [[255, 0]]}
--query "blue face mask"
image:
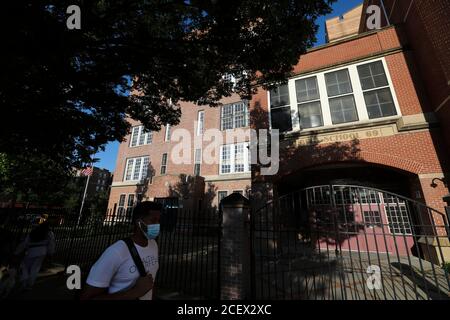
{"points": [[152, 231]]}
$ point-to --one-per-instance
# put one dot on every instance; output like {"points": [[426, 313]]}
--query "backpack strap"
{"points": [[135, 255]]}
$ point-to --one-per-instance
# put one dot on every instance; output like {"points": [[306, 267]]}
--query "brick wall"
{"points": [[364, 46], [415, 152], [425, 24], [163, 185], [337, 28]]}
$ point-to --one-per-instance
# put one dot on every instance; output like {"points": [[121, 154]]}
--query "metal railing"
{"points": [[348, 242], [188, 243]]}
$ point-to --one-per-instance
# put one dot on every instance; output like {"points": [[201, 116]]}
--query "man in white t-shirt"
{"points": [[115, 276]]}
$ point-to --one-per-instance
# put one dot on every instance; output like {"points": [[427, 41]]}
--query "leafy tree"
{"points": [[34, 179], [64, 92]]}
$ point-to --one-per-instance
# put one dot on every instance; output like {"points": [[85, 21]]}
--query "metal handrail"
{"points": [[354, 186]]}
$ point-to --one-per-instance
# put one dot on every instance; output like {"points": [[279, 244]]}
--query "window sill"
{"points": [[229, 176], [225, 130], [339, 127], [127, 183], [139, 146]]}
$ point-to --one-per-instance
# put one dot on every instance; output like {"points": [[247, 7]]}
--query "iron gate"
{"points": [[348, 242], [188, 243]]}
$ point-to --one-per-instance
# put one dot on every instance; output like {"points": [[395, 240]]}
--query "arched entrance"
{"points": [[349, 173], [326, 241]]}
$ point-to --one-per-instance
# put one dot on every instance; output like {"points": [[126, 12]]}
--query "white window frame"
{"points": [[147, 136], [302, 103], [400, 219], [133, 168], [247, 166], [129, 208], [219, 191], [388, 86], [198, 162], [358, 95], [247, 115], [118, 213], [167, 133], [164, 165], [200, 122]]}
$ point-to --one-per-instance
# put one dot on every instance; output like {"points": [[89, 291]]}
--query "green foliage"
{"points": [[98, 207], [64, 92], [446, 267], [32, 179]]}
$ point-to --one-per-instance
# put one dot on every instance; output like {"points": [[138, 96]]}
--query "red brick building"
{"points": [[369, 108], [425, 25], [146, 167]]}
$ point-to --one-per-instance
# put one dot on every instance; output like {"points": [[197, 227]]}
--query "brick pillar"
{"points": [[436, 245], [433, 196], [235, 248]]}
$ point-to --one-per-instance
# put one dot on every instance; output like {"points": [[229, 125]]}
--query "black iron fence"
{"points": [[188, 242], [351, 243]]}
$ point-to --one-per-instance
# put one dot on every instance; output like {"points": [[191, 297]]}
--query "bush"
{"points": [[446, 267]]}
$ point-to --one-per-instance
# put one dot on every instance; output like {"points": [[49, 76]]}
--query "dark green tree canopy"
{"points": [[62, 91]]}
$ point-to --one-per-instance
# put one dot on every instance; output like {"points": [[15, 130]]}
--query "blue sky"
{"points": [[108, 157]]}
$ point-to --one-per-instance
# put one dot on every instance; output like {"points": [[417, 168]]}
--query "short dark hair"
{"points": [[143, 209]]}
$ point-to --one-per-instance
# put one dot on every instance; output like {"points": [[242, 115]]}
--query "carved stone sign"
{"points": [[346, 136]]}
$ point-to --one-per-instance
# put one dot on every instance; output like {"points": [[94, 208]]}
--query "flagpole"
{"points": [[82, 201]]}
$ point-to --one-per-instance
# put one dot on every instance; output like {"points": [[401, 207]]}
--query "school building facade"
{"points": [[369, 107], [147, 168]]}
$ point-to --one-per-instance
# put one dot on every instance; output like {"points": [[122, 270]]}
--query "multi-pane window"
{"points": [[140, 137], [397, 214], [149, 138], [164, 163], [130, 205], [197, 161], [222, 195], [168, 132], [392, 199], [341, 99], [136, 168], [344, 196], [234, 158], [308, 99], [225, 159], [372, 219], [368, 196], [200, 123], [234, 116], [358, 92], [239, 158], [240, 115], [137, 164], [398, 219], [227, 117], [129, 169], [135, 136], [121, 205], [280, 109], [377, 94], [145, 165]]}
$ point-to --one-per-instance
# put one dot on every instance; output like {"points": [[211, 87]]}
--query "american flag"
{"points": [[87, 171]]}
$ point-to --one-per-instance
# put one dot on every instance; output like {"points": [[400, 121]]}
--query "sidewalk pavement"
{"points": [[51, 285]]}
